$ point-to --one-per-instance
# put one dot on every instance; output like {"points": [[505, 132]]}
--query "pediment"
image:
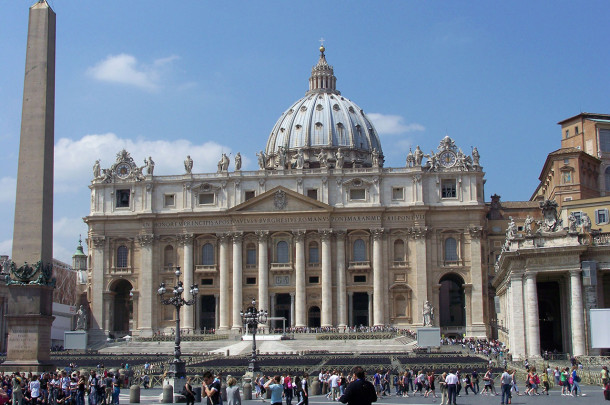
{"points": [[280, 199]]}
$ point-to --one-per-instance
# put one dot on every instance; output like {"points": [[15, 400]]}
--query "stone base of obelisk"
{"points": [[29, 320]]}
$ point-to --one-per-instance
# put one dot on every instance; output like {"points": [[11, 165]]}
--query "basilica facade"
{"points": [[321, 234]]}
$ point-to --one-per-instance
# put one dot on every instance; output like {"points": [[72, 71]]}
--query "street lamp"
{"points": [[252, 317], [177, 368]]}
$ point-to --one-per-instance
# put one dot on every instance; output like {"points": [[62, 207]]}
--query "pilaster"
{"points": [[147, 290]]}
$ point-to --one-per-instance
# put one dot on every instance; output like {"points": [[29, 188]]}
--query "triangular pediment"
{"points": [[280, 199]]}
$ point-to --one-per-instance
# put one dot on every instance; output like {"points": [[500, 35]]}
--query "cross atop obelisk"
{"points": [[33, 231]]}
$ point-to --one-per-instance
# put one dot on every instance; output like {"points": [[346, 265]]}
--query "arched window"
{"points": [[451, 250], [314, 255], [168, 256], [359, 250], [607, 178], [399, 250], [282, 252], [121, 256], [251, 254], [207, 255], [400, 305]]}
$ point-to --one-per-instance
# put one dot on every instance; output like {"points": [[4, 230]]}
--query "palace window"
{"points": [[122, 198], [359, 250], [207, 255], [607, 178], [250, 280], [398, 193], [282, 252], [451, 250], [448, 188], [168, 256], [121, 256], [249, 195], [357, 194], [399, 250], [206, 198], [251, 254], [359, 279], [314, 254], [601, 216], [169, 200], [604, 140], [312, 193]]}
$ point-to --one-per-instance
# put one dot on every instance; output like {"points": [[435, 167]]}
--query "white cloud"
{"points": [[6, 247], [392, 124], [8, 189], [125, 69]]}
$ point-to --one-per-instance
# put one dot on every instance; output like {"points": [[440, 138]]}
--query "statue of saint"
{"points": [[223, 163], [238, 161], [428, 313], [81, 320], [586, 222], [262, 161], [300, 159], [340, 159], [511, 231], [410, 159], [419, 156], [528, 225], [150, 165], [96, 169], [375, 158], [475, 156], [188, 164]]}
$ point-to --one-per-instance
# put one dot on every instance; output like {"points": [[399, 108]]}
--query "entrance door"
{"points": [[452, 303], [123, 308], [360, 309], [207, 316], [313, 318], [549, 311], [282, 310]]}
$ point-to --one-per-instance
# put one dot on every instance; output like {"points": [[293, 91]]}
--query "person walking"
{"points": [[507, 381], [233, 397], [452, 382], [443, 385], [288, 389], [359, 391], [304, 390], [189, 394]]}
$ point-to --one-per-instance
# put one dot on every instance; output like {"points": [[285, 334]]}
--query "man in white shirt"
{"points": [[333, 382], [506, 380], [452, 381]]}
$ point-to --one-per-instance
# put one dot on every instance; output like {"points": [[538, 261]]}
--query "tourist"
{"points": [[333, 383], [604, 376], [405, 384], [211, 388], [17, 394], [545, 383], [233, 397], [359, 391], [468, 384], [443, 384], [563, 381], [288, 389], [296, 387], [475, 381], [34, 390], [557, 375], [257, 387], [276, 388], [304, 390], [452, 381], [342, 384], [431, 378], [410, 380], [575, 391], [377, 382], [188, 393], [506, 381]]}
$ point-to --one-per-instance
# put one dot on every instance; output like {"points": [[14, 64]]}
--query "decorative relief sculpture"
{"points": [[26, 274], [572, 223], [238, 161], [188, 164], [428, 313], [279, 200], [551, 221], [81, 320], [124, 168]]}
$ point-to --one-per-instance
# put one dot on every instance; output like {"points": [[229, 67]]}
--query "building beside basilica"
{"points": [[322, 234]]}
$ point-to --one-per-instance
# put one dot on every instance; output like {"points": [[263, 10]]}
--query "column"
{"points": [[108, 311], [147, 291], [291, 309], [370, 307], [436, 290], [468, 306], [300, 286], [421, 275], [98, 297], [216, 311], [516, 326], [224, 282], [237, 280], [378, 309], [532, 331], [263, 271], [478, 326], [341, 283], [350, 308], [577, 319], [327, 281], [272, 324], [187, 317]]}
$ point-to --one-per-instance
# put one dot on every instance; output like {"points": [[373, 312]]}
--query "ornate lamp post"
{"points": [[252, 317], [177, 368]]}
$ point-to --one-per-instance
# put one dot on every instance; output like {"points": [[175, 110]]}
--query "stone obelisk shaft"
{"points": [[33, 231]]}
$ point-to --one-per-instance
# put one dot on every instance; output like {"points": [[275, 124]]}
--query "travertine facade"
{"points": [[321, 234]]}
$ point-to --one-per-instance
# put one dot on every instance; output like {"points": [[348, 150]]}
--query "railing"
{"points": [[205, 268], [399, 263], [121, 270], [281, 266], [364, 265], [601, 239]]}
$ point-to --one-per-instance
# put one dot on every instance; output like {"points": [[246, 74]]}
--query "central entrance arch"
{"points": [[282, 310], [452, 304], [122, 320], [360, 309]]}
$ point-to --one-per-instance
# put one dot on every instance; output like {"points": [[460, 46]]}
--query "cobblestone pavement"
{"points": [[593, 395]]}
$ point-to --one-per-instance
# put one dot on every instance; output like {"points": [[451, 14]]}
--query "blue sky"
{"points": [[167, 78]]}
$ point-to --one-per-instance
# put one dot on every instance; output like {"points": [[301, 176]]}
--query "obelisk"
{"points": [[30, 312]]}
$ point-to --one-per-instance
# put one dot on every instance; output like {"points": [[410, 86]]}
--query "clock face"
{"points": [[447, 158], [123, 170]]}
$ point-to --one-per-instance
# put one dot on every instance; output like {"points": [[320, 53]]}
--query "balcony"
{"points": [[362, 266], [281, 268], [205, 268], [400, 264], [121, 270]]}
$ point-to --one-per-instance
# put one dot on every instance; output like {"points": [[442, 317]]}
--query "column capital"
{"points": [[237, 237], [299, 235], [420, 232], [325, 234], [340, 233], [467, 287], [475, 232], [377, 233], [223, 237], [350, 293], [530, 275], [369, 293], [185, 238], [262, 235], [292, 295], [146, 240], [98, 241], [575, 272], [516, 277]]}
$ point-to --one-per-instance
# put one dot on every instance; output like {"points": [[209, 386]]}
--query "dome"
{"points": [[323, 129]]}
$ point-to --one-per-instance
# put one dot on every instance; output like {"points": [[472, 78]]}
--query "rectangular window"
{"points": [[251, 280], [359, 279], [169, 200], [122, 198], [206, 198], [314, 280], [567, 133], [566, 161], [601, 216], [251, 256], [207, 281], [357, 194], [398, 193], [576, 130], [448, 188], [249, 195], [604, 140], [312, 193]]}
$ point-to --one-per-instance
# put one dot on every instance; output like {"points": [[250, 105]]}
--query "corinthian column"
{"points": [[187, 268], [147, 293], [263, 270], [532, 331], [377, 278], [576, 314], [327, 281], [300, 289], [224, 282], [341, 291], [98, 298], [237, 279]]}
